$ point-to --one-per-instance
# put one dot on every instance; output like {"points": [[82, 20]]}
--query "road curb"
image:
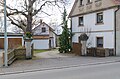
{"points": [[53, 68]]}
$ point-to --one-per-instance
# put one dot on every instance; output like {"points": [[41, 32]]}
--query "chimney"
{"points": [[41, 21]]}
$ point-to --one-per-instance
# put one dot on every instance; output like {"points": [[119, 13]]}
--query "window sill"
{"points": [[80, 25], [81, 5], [101, 23], [89, 3], [98, 0]]}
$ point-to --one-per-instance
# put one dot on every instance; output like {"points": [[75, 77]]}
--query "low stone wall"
{"points": [[91, 51], [100, 52], [15, 54], [20, 53]]}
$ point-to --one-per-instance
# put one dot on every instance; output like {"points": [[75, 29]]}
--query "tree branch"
{"points": [[18, 25], [36, 11], [16, 12]]}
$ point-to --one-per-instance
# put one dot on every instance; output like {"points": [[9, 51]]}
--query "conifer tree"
{"points": [[64, 40]]}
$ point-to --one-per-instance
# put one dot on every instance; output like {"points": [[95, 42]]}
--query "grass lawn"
{"points": [[40, 51]]}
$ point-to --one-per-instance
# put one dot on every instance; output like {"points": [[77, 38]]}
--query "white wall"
{"points": [[41, 44], [118, 33], [38, 30], [53, 40], [108, 39], [90, 23], [44, 43], [75, 37]]}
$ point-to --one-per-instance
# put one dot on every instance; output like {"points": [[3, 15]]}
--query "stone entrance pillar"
{"points": [[28, 48], [84, 48], [83, 37]]}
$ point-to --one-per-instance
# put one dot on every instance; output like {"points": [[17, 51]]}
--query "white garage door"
{"points": [[41, 44]]}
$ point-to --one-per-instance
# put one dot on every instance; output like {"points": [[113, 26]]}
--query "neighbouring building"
{"points": [[100, 20], [58, 30], [44, 36], [14, 40]]}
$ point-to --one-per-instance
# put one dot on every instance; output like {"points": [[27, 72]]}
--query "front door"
{"points": [[50, 43]]}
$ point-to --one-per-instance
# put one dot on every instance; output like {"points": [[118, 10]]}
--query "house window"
{"points": [[89, 1], [99, 41], [81, 2], [99, 17], [43, 29], [81, 22]]}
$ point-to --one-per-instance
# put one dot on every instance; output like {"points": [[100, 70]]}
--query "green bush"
{"points": [[28, 34]]}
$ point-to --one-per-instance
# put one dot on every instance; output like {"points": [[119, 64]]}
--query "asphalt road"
{"points": [[103, 71]]}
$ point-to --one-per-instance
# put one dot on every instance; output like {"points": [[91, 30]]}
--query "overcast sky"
{"points": [[56, 15]]}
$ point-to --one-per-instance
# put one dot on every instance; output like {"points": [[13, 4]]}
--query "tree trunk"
{"points": [[29, 23], [28, 49], [29, 29], [28, 41]]}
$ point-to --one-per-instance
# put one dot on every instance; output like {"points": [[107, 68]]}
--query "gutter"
{"points": [[115, 27]]}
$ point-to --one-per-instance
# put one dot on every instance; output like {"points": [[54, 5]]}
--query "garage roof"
{"points": [[11, 34]]}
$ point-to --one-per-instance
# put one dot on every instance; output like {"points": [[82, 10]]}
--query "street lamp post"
{"points": [[5, 37]]}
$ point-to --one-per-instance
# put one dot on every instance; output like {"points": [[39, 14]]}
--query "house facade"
{"points": [[99, 20], [44, 37], [58, 30]]}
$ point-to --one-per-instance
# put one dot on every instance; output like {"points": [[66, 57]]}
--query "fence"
{"points": [[14, 55], [76, 48], [17, 54], [100, 52]]}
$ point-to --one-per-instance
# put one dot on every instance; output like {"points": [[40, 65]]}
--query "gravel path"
{"points": [[52, 54]]}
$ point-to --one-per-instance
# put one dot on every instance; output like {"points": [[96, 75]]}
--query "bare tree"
{"points": [[1, 25], [0, 29], [25, 12], [15, 29]]}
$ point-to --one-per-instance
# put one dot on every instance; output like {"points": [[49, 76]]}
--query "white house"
{"points": [[100, 19], [44, 37]]}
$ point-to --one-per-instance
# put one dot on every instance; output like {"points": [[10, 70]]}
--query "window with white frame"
{"points": [[81, 21], [99, 41], [81, 2], [43, 29], [89, 1], [100, 17]]}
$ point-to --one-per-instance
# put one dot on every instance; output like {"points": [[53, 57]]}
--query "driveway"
{"points": [[52, 54]]}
